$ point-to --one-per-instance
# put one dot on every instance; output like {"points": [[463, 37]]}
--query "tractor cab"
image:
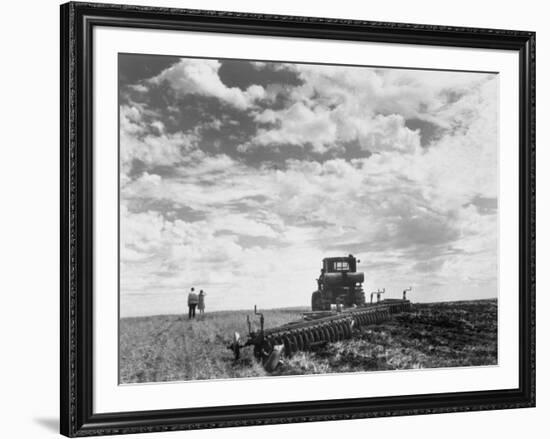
{"points": [[340, 264]]}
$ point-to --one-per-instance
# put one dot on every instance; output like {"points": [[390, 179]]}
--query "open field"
{"points": [[448, 334]]}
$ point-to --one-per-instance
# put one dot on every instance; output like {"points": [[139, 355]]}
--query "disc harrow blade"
{"points": [[339, 331], [331, 333], [300, 340], [326, 333], [347, 329], [308, 338], [293, 344], [286, 342]]}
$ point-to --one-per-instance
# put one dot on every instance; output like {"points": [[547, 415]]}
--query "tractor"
{"points": [[339, 285]]}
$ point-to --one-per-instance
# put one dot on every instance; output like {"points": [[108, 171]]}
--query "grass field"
{"points": [[448, 334]]}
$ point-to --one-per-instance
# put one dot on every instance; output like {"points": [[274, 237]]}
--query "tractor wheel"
{"points": [[316, 301]]}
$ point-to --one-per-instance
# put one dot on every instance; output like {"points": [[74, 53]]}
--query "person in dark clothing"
{"points": [[192, 301]]}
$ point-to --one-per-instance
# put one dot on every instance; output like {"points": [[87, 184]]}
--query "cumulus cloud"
{"points": [[200, 77], [143, 138], [255, 234], [368, 106]]}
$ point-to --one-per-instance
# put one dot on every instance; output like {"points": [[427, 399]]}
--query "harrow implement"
{"points": [[314, 330]]}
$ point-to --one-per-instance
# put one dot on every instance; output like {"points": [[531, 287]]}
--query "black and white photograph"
{"points": [[283, 218], [272, 216]]}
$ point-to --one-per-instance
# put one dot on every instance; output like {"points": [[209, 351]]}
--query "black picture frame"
{"points": [[77, 23]]}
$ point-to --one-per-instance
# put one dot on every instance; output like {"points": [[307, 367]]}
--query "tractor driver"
{"points": [[319, 281]]}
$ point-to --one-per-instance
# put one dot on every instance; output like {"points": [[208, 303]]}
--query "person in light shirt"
{"points": [[201, 302]]}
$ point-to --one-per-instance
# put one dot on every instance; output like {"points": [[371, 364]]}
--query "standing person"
{"points": [[201, 302], [192, 301]]}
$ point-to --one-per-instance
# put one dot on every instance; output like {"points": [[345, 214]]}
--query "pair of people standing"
{"points": [[195, 300]]}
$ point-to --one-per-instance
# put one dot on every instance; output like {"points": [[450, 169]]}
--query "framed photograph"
{"points": [[271, 219]]}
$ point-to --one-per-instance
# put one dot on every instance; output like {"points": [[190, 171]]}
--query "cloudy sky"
{"points": [[238, 177]]}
